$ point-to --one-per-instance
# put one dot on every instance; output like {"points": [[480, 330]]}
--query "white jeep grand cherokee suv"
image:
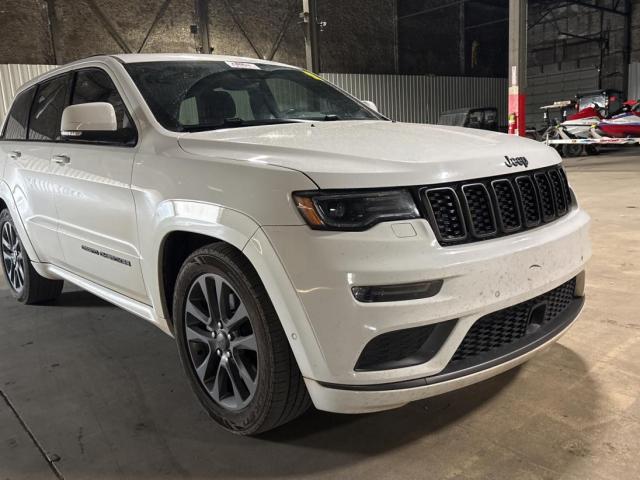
{"points": [[299, 246]]}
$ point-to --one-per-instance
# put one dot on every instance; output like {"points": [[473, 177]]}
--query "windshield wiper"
{"points": [[331, 117]]}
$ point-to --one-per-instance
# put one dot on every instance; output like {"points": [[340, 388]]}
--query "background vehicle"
{"points": [[561, 122], [599, 118], [481, 118]]}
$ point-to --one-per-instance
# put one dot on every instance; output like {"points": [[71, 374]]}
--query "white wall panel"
{"points": [[12, 77]]}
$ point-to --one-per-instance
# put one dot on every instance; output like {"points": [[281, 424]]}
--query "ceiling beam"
{"points": [[486, 24], [106, 23], [432, 9], [238, 22], [293, 10], [159, 15], [584, 3], [451, 4]]}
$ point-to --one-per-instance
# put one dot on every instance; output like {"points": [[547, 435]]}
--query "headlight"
{"points": [[354, 210]]}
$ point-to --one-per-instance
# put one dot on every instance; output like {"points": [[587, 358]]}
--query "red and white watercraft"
{"points": [[579, 124], [623, 125]]}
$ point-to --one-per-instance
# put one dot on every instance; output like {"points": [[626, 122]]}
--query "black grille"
{"points": [[478, 205], [546, 197], [466, 212], [565, 184], [558, 192], [492, 336], [446, 213], [501, 328], [530, 203], [507, 204]]}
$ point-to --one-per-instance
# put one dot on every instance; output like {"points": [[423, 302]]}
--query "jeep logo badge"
{"points": [[516, 161]]}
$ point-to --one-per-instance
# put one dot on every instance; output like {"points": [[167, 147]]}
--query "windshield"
{"points": [[206, 95], [453, 119], [596, 101]]}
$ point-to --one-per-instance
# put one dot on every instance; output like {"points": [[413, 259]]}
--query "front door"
{"points": [[96, 211]]}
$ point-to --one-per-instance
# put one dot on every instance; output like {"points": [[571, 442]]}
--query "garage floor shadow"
{"points": [[105, 393], [79, 299]]}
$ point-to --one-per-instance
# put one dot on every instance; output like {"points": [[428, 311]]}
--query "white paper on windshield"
{"points": [[246, 65]]}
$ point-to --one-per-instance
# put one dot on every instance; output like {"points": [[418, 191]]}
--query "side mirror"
{"points": [[371, 105], [88, 117]]}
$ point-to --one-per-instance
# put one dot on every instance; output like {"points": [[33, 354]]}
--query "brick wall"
{"points": [[359, 36]]}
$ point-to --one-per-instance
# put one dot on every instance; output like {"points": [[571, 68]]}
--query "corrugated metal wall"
{"points": [[406, 98], [421, 99], [546, 88], [634, 81], [12, 77]]}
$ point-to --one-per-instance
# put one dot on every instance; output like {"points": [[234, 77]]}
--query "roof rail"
{"points": [[111, 55]]}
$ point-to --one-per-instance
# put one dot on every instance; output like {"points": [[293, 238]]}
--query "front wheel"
{"points": [[26, 285], [232, 346]]}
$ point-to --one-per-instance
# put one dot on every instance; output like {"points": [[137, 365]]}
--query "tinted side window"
{"points": [[16, 126], [95, 85], [44, 123]]}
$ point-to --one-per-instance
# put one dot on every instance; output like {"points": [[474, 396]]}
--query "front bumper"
{"points": [[373, 398], [479, 278]]}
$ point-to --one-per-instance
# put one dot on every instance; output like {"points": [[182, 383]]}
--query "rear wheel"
{"points": [[26, 285], [232, 345], [592, 150], [572, 150]]}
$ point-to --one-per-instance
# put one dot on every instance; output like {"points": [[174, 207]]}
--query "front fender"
{"points": [[207, 219], [292, 314], [239, 230]]}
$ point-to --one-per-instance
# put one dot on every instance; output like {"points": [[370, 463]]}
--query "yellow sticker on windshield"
{"points": [[312, 75]]}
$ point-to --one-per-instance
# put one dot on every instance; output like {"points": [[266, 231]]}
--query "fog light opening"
{"points": [[397, 293]]}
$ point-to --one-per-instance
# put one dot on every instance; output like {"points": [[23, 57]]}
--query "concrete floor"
{"points": [[91, 392]]}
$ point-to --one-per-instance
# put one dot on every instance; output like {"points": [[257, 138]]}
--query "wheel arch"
{"points": [[181, 235], [175, 248], [182, 227]]}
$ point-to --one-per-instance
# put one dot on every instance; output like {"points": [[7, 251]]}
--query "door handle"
{"points": [[15, 155], [61, 159]]}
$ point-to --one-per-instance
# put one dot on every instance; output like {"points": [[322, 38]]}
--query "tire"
{"points": [[235, 353], [26, 285], [592, 150], [572, 150]]}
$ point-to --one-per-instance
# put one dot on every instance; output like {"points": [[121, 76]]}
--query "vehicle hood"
{"points": [[363, 154]]}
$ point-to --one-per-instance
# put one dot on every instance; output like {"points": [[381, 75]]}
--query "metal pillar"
{"points": [[202, 16], [517, 66], [462, 46], [54, 32], [627, 46], [310, 19]]}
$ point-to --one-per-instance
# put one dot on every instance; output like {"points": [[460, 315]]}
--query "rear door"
{"points": [[96, 211], [30, 132]]}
